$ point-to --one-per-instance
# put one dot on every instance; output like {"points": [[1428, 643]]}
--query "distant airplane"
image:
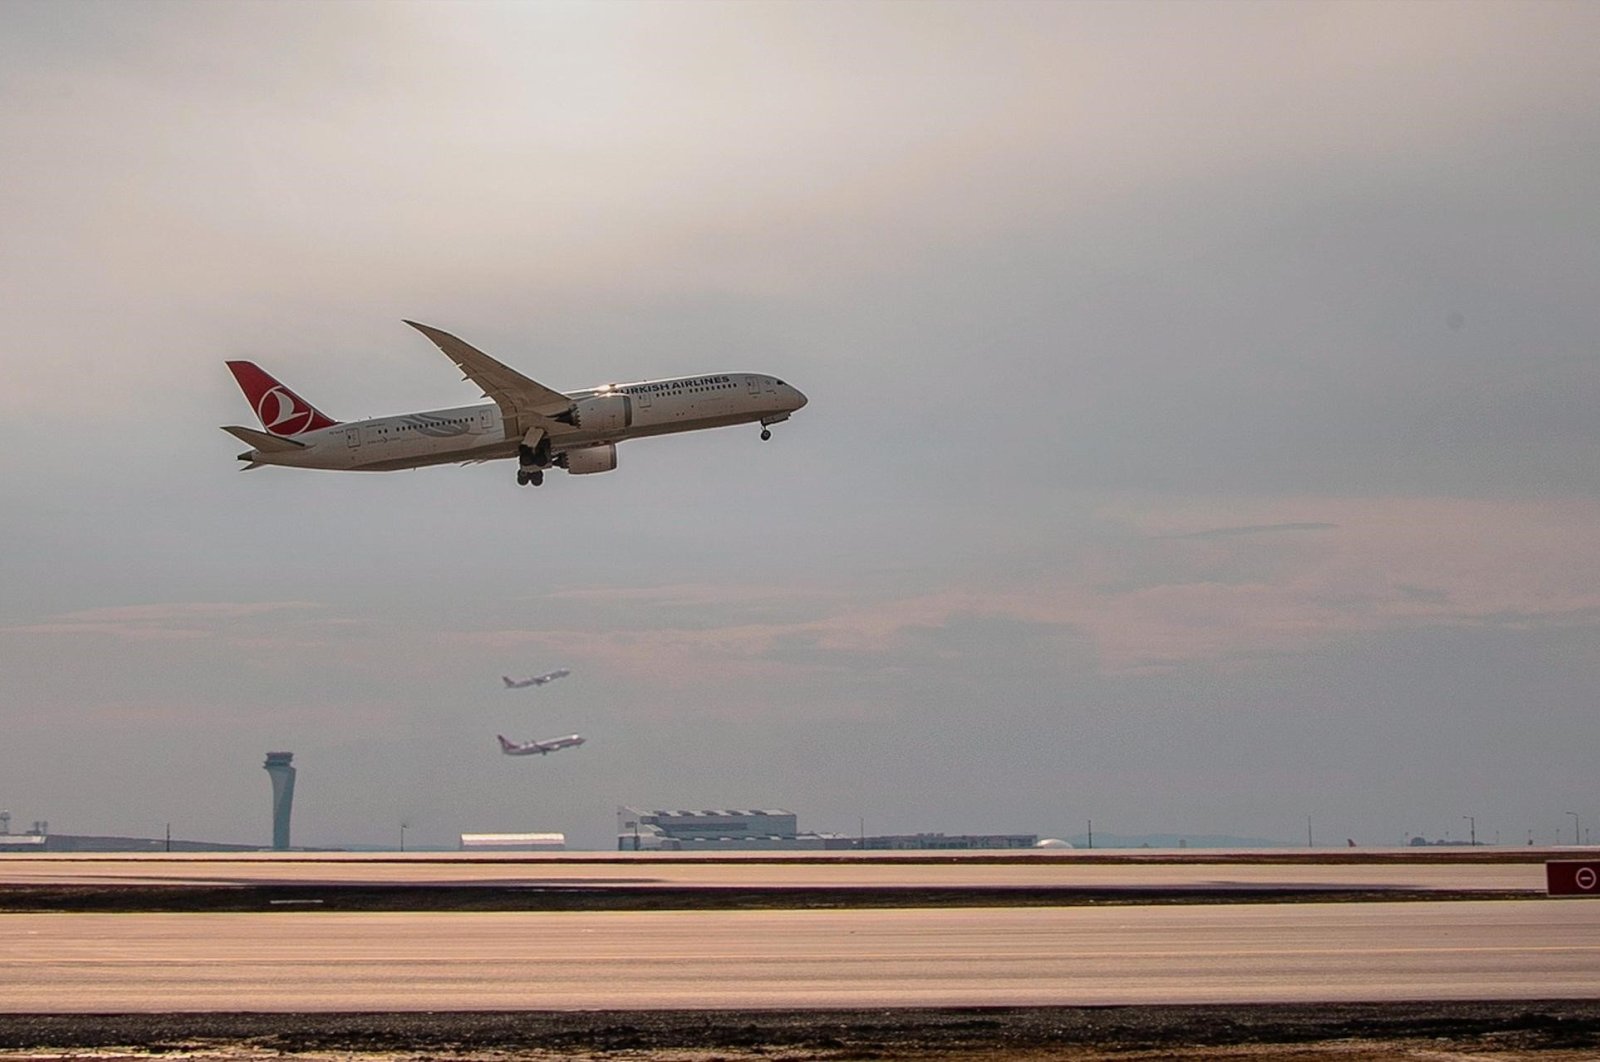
{"points": [[537, 680], [543, 748], [540, 427]]}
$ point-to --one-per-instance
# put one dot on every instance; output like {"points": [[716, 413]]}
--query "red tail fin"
{"points": [[282, 412]]}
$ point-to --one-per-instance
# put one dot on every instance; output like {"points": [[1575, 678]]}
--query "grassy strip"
{"points": [[1490, 1026]]}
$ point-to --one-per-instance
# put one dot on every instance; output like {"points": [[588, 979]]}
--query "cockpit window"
{"points": [[782, 384]]}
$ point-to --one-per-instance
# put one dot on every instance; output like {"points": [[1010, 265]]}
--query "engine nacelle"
{"points": [[589, 459], [601, 414]]}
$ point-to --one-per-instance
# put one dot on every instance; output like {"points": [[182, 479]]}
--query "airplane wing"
{"points": [[523, 402]]}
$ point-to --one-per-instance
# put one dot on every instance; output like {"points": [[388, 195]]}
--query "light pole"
{"points": [[1472, 827], [1574, 815], [402, 837]]}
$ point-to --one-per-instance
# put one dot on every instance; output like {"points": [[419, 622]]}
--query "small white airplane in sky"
{"points": [[537, 680], [543, 748], [541, 428]]}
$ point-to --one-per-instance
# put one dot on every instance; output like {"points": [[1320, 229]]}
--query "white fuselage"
{"points": [[536, 680], [541, 748], [479, 433]]}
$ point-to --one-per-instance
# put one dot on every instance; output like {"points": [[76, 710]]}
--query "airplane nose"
{"points": [[799, 398]]}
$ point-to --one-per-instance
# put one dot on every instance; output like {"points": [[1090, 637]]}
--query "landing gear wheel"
{"points": [[536, 478], [765, 434], [523, 477]]}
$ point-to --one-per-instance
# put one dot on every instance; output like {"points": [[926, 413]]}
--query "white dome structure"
{"points": [[1052, 842]]}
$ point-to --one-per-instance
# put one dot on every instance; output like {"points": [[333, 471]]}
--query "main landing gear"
{"points": [[532, 461]]}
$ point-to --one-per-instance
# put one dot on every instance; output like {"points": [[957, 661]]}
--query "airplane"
{"points": [[537, 680], [543, 748], [540, 427]]}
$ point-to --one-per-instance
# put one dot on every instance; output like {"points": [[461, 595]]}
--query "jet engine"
{"points": [[589, 459], [602, 413]]}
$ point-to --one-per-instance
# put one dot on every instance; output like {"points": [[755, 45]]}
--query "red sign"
{"points": [[1572, 878]]}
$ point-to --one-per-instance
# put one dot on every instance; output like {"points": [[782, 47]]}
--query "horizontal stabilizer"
{"points": [[263, 440]]}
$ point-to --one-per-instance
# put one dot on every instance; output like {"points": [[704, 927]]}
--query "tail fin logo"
{"points": [[283, 412]]}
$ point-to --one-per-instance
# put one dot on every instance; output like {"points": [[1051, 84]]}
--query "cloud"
{"points": [[159, 622], [1221, 598], [191, 610], [1252, 529], [1388, 564]]}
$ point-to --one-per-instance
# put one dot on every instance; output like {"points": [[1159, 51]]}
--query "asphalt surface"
{"points": [[300, 960], [301, 968], [1472, 870]]}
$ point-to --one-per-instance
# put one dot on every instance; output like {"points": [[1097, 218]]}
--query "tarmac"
{"points": [[949, 955]]}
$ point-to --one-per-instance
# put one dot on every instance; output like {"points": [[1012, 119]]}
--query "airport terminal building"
{"points": [[716, 831], [735, 831], [918, 842]]}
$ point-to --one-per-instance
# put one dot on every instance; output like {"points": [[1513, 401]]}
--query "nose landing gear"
{"points": [[768, 422]]}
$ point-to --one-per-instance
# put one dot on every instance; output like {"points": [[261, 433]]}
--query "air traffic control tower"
{"points": [[282, 773]]}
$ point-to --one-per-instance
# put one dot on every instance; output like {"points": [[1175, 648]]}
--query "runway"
{"points": [[1244, 953], [1171, 870], [272, 950]]}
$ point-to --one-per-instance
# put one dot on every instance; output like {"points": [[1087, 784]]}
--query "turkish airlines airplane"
{"points": [[540, 427], [537, 680], [543, 748]]}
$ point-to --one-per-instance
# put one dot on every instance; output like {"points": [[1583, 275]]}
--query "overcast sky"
{"points": [[1203, 429]]}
